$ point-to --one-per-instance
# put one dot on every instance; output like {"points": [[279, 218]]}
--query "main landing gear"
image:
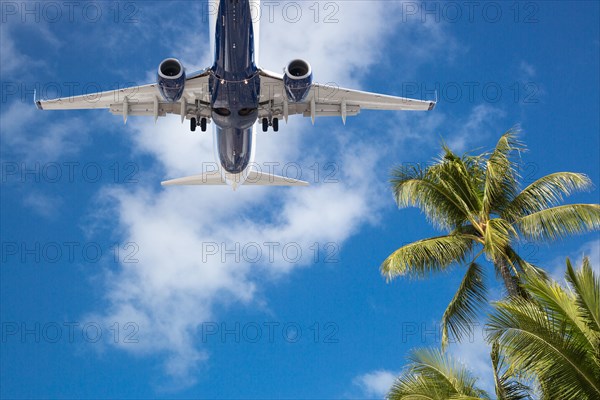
{"points": [[194, 124], [274, 123]]}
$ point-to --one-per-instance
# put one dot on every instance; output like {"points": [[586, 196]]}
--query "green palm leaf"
{"points": [[587, 294], [542, 335], [546, 192], [411, 387], [420, 258], [432, 374], [497, 238], [560, 222], [459, 178], [524, 265], [540, 348], [461, 313], [565, 311], [412, 188], [501, 173], [507, 387]]}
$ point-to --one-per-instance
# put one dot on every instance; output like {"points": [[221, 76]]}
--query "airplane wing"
{"points": [[328, 100], [322, 100], [141, 100]]}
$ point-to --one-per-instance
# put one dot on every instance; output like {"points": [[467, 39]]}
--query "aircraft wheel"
{"points": [[275, 124], [193, 124], [265, 124], [203, 124]]}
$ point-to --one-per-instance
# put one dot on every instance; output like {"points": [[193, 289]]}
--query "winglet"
{"points": [[433, 103], [37, 103]]}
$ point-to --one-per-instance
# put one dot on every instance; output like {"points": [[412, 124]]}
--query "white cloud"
{"points": [[59, 139], [45, 205], [481, 124], [527, 71], [342, 52], [14, 60], [417, 134], [377, 383], [337, 51], [171, 291]]}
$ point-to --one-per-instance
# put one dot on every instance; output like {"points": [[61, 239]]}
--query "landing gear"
{"points": [[266, 123], [194, 123]]}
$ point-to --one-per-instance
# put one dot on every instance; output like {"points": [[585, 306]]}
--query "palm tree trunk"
{"points": [[510, 282]]}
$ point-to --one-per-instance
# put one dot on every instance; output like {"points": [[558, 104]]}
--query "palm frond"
{"points": [[414, 387], [565, 311], [412, 187], [506, 385], [560, 222], [425, 256], [546, 192], [498, 235], [501, 173], [524, 265], [460, 178], [462, 311], [434, 375], [538, 340], [586, 288]]}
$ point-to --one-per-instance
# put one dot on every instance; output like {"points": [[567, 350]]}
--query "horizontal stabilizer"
{"points": [[254, 178], [263, 179], [209, 178]]}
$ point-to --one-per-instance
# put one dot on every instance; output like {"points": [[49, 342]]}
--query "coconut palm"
{"points": [[553, 335], [434, 375], [477, 200]]}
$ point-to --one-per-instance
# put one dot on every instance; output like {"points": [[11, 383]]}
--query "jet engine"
{"points": [[171, 79], [297, 80]]}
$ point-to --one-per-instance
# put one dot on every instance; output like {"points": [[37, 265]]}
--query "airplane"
{"points": [[235, 95]]}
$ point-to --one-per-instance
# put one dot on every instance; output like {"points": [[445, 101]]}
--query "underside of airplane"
{"points": [[235, 95]]}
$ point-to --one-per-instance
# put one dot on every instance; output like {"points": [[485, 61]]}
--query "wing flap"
{"points": [[147, 109]]}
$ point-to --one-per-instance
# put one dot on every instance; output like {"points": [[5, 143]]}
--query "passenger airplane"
{"points": [[234, 94]]}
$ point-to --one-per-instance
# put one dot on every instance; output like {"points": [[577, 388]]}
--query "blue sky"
{"points": [[113, 287]]}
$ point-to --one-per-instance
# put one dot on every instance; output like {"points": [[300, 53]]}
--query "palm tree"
{"points": [[477, 200], [553, 335], [432, 374], [435, 375]]}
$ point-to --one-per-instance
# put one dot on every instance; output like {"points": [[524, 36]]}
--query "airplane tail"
{"points": [[253, 178]]}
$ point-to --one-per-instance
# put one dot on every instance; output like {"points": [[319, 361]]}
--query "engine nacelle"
{"points": [[297, 80], [171, 79]]}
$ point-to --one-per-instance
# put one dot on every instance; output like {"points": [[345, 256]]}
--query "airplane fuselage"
{"points": [[234, 84]]}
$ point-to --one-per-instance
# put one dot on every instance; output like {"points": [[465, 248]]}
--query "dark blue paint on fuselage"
{"points": [[234, 85]]}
